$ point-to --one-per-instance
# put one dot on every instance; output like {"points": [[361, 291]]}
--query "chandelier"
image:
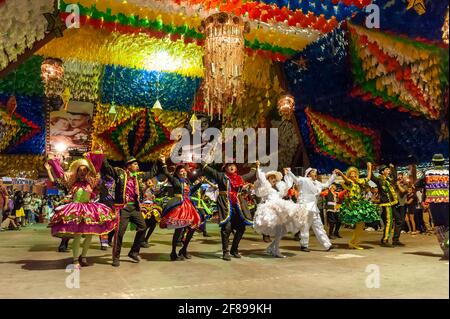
{"points": [[52, 73], [286, 106], [223, 61]]}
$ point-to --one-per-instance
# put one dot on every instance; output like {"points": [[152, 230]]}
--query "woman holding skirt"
{"points": [[180, 212], [82, 217]]}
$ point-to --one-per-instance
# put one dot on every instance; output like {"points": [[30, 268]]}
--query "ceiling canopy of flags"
{"points": [[378, 94]]}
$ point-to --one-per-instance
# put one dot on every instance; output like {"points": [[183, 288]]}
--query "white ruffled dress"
{"points": [[274, 212]]}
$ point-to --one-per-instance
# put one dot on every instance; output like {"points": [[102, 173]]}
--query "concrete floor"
{"points": [[31, 268]]}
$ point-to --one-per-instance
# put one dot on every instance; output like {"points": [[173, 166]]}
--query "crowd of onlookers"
{"points": [[21, 209]]}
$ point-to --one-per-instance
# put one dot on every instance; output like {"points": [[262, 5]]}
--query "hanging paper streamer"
{"points": [[26, 80], [139, 132], [31, 166], [325, 85], [349, 143], [20, 129], [268, 43], [83, 79], [142, 88], [395, 17], [398, 73], [22, 25], [134, 51]]}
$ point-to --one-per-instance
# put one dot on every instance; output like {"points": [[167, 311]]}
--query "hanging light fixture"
{"points": [[286, 106], [223, 61], [52, 73]]}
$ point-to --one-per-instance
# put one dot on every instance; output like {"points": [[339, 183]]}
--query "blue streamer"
{"points": [[142, 88]]}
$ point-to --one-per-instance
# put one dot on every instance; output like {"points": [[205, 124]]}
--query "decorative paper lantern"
{"points": [[52, 73], [286, 106], [223, 61]]}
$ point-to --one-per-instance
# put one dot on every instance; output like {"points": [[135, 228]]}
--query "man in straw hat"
{"points": [[129, 192], [310, 190], [233, 210], [435, 183]]}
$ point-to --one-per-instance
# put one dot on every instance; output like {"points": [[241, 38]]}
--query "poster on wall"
{"points": [[70, 129]]}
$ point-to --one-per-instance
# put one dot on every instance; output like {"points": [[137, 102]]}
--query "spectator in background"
{"points": [[3, 201], [418, 212], [374, 197], [28, 207], [411, 203], [402, 192], [18, 211]]}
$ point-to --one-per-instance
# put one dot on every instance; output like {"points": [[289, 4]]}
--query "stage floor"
{"points": [[32, 268]]}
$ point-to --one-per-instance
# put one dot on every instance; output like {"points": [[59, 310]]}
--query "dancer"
{"points": [[332, 198], [234, 214], [276, 216], [150, 211], [310, 189], [201, 202], [129, 188], [106, 196], [435, 183], [388, 200], [356, 210], [180, 212], [82, 217]]}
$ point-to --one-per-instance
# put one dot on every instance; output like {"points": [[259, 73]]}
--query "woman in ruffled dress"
{"points": [[82, 217], [180, 212], [355, 209], [274, 215]]}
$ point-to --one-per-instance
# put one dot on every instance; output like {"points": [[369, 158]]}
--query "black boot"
{"points": [[330, 231]]}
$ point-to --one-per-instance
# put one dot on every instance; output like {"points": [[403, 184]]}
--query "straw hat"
{"points": [[277, 175]]}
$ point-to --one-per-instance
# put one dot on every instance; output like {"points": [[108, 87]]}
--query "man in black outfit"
{"points": [[233, 210], [128, 194]]}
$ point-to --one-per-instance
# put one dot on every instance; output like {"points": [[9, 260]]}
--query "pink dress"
{"points": [[82, 216]]}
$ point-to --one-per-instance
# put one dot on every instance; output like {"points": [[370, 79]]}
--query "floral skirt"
{"points": [[353, 212], [82, 219], [181, 216]]}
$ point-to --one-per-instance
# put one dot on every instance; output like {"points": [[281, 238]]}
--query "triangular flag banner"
{"points": [[157, 105], [112, 109]]}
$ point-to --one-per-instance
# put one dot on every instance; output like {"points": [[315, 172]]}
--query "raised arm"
{"points": [[289, 177], [394, 172], [330, 181], [346, 179], [107, 169], [211, 172], [252, 174], [152, 172], [48, 168], [165, 171]]}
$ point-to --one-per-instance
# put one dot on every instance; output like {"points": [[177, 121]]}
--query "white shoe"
{"points": [[370, 229], [403, 232]]}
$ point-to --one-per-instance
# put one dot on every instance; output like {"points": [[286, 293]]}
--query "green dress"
{"points": [[355, 207]]}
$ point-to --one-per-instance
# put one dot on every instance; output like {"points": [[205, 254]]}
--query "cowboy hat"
{"points": [[309, 170], [130, 160], [438, 158], [277, 175]]}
